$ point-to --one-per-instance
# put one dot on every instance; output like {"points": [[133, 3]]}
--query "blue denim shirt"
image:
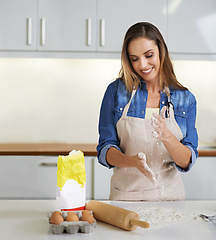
{"points": [[114, 101]]}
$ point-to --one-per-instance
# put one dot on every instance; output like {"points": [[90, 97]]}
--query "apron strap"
{"points": [[125, 111], [170, 107]]}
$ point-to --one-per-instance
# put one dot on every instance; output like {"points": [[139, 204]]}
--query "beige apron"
{"points": [[135, 135]]}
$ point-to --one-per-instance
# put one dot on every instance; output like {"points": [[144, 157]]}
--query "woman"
{"points": [[147, 122]]}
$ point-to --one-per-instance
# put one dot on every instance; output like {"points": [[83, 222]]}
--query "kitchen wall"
{"points": [[58, 100]]}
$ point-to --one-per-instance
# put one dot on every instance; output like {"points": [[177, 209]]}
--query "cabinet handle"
{"points": [[44, 164], [89, 26], [29, 34], [43, 31], [102, 28]]}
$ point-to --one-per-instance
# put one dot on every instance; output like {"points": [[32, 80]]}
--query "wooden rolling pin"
{"points": [[116, 216]]}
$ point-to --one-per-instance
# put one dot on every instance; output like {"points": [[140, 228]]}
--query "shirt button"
{"points": [[184, 113], [163, 102], [120, 109]]}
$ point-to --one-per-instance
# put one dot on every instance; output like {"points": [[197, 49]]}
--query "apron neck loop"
{"points": [[170, 107]]}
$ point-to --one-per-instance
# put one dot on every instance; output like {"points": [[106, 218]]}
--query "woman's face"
{"points": [[144, 57]]}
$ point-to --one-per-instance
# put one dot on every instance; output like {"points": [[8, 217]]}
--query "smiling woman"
{"points": [[147, 154]]}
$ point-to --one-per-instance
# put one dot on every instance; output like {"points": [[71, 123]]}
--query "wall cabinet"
{"points": [[191, 26], [77, 26], [99, 26], [48, 25], [18, 21], [67, 25], [115, 17]]}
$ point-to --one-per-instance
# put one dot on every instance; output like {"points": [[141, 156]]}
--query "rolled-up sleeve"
{"points": [[107, 129]]}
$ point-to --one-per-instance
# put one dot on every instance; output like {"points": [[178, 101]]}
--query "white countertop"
{"points": [[27, 219]]}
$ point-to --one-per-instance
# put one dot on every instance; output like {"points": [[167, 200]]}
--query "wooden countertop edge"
{"points": [[55, 149], [207, 153]]}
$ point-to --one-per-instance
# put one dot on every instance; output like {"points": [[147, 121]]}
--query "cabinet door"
{"points": [[34, 177], [199, 182], [18, 24], [28, 177], [102, 177], [67, 25], [191, 26], [115, 17]]}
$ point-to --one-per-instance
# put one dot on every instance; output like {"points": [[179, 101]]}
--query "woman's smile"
{"points": [[147, 71]]}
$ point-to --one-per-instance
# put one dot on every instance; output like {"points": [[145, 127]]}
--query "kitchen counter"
{"points": [[27, 219], [56, 149], [30, 149]]}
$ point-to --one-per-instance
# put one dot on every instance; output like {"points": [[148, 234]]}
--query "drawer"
{"points": [[34, 177]]}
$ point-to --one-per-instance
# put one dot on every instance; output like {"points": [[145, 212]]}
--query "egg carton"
{"points": [[72, 227]]}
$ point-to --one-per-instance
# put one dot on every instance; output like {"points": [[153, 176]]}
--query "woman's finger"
{"points": [[163, 111]]}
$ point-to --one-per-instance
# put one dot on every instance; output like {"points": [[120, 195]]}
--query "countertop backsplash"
{"points": [[58, 100]]}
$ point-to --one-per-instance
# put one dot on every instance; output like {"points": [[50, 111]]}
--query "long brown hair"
{"points": [[127, 73]]}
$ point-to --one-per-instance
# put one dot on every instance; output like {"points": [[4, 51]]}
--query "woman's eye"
{"points": [[149, 55], [134, 59]]}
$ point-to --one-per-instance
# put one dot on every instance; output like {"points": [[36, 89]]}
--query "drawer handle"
{"points": [[29, 34], [44, 164], [102, 27], [89, 27], [43, 31]]}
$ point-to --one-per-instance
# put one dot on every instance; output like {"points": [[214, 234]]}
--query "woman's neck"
{"points": [[153, 96]]}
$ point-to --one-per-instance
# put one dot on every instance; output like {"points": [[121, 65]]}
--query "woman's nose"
{"points": [[143, 63]]}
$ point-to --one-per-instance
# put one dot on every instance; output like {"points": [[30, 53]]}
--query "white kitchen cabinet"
{"points": [[67, 25], [101, 181], [74, 26], [199, 182], [28, 177], [115, 17], [18, 25], [34, 177], [191, 26]]}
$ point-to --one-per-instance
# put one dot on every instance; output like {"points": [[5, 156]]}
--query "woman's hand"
{"points": [[160, 130], [119, 159], [140, 163]]}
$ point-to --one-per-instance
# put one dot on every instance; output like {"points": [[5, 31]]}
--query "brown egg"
{"points": [[84, 212], [56, 218], [87, 217], [72, 217]]}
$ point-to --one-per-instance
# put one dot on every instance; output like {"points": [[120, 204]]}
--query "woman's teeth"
{"points": [[147, 71]]}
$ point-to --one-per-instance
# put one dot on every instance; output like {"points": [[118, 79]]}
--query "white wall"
{"points": [[200, 78], [58, 100], [52, 100]]}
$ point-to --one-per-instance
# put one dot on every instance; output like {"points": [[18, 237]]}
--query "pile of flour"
{"points": [[161, 217]]}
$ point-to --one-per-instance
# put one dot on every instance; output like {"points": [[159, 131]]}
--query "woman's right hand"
{"points": [[118, 159], [140, 163]]}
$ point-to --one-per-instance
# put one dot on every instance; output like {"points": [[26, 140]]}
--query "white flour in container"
{"points": [[161, 217]]}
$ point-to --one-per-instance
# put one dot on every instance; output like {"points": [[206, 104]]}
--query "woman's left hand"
{"points": [[160, 130]]}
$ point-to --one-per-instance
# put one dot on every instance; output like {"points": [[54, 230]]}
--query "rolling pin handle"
{"points": [[139, 223]]}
